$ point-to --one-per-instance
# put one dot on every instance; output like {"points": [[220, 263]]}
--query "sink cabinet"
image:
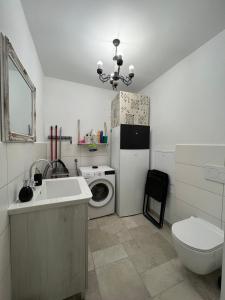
{"points": [[49, 253]]}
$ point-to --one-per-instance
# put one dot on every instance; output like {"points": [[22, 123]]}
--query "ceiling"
{"points": [[71, 36]]}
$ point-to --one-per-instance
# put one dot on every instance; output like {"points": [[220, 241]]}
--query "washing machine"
{"points": [[101, 181]]}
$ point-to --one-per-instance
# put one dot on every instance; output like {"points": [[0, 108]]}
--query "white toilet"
{"points": [[199, 244]]}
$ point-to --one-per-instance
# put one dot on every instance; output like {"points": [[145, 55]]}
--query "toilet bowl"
{"points": [[199, 244]]}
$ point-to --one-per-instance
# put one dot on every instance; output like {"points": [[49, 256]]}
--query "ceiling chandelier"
{"points": [[115, 76]]}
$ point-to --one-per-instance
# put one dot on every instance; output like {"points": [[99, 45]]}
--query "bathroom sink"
{"points": [[60, 188], [55, 193]]}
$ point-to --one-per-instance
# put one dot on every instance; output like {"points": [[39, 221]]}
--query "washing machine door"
{"points": [[102, 191]]}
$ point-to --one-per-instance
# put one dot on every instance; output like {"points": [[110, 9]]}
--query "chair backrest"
{"points": [[157, 185]]}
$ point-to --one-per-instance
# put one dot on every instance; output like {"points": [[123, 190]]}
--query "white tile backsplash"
{"points": [[4, 203], [15, 161], [16, 155], [83, 155], [194, 175], [3, 164], [194, 194], [199, 155], [4, 252], [184, 210], [95, 160], [102, 150], [199, 198]]}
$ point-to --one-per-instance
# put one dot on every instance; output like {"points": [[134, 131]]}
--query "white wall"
{"points": [[187, 107], [187, 102], [15, 159], [13, 24], [65, 103]]}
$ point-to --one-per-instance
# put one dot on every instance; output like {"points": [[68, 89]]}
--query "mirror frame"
{"points": [[7, 52]]}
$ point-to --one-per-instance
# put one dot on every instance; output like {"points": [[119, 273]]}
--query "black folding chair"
{"points": [[156, 188]]}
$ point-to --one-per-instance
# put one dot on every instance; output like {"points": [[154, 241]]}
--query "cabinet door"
{"points": [[134, 165], [49, 253]]}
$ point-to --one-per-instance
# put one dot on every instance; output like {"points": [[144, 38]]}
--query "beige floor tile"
{"points": [[92, 224], [141, 220], [99, 239], [143, 231], [129, 222], [112, 228], [108, 255], [124, 235], [166, 233], [158, 246], [135, 221], [108, 220], [131, 247], [142, 261], [93, 296], [139, 257], [90, 261], [161, 278], [150, 252], [93, 288], [183, 290], [206, 285], [120, 280]]}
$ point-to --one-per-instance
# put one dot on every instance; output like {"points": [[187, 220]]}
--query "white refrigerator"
{"points": [[130, 159]]}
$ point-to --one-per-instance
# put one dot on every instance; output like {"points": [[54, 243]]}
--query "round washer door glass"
{"points": [[102, 191]]}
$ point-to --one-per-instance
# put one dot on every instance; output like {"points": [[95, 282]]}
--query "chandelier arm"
{"points": [[126, 80], [104, 77]]}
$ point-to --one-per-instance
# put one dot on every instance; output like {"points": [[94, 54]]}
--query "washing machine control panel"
{"points": [[101, 171]]}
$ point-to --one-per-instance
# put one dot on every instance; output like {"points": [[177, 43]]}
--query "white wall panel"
{"points": [[194, 175]]}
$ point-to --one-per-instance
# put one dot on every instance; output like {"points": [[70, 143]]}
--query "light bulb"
{"points": [[131, 69], [99, 64]]}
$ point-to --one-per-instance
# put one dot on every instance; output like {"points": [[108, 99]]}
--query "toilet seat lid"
{"points": [[198, 234]]}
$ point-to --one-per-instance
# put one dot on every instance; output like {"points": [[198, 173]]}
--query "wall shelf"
{"points": [[88, 144]]}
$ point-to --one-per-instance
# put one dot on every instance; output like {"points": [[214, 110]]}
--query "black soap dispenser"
{"points": [[37, 177], [26, 193]]}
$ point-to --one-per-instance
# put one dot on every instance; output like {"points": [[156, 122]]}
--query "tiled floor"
{"points": [[130, 259]]}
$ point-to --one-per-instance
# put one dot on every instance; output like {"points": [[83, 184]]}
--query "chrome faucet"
{"points": [[31, 182]]}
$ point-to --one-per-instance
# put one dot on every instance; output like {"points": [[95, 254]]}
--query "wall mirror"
{"points": [[17, 94]]}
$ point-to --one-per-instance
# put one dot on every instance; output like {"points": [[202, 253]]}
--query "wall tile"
{"points": [[223, 214], [194, 175], [66, 148], [15, 186], [97, 160], [29, 155], [208, 202], [3, 164], [102, 150], [199, 155], [16, 157], [69, 162], [40, 150], [165, 162], [4, 252], [184, 210], [3, 208]]}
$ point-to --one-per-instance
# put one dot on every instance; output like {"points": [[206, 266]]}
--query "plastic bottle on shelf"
{"points": [[101, 136], [98, 134]]}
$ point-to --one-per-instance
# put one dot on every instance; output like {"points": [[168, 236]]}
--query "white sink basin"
{"points": [[54, 193], [60, 188]]}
